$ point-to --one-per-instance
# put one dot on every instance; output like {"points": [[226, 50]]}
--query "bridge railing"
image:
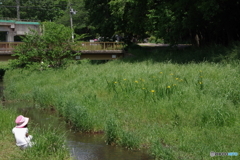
{"points": [[78, 46], [98, 46], [8, 46]]}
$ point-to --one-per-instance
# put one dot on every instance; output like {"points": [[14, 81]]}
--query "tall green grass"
{"points": [[174, 110], [49, 142]]}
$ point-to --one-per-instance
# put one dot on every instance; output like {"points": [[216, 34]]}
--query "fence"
{"points": [[98, 46], [77, 46], [8, 46]]}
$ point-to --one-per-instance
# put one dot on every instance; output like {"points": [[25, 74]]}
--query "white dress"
{"points": [[20, 136]]}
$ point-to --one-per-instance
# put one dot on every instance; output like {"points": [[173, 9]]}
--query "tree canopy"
{"points": [[43, 10], [183, 21]]}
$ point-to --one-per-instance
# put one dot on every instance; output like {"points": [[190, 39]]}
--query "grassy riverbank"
{"points": [[49, 142], [176, 104]]}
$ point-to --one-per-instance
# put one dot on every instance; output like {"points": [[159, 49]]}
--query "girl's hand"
{"points": [[26, 134]]}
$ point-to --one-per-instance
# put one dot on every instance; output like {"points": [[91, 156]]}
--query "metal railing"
{"points": [[77, 46]]}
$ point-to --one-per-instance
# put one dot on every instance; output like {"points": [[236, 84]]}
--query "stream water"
{"points": [[82, 146]]}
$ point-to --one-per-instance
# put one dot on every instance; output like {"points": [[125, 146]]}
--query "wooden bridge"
{"points": [[86, 50]]}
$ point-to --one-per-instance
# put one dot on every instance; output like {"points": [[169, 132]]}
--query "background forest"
{"points": [[183, 21]]}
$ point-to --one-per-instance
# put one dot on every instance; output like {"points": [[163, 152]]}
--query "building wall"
{"points": [[17, 28], [22, 29]]}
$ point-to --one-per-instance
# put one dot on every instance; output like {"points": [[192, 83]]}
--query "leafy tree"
{"points": [[42, 10], [79, 19], [199, 22], [8, 8], [100, 16], [110, 17], [131, 17], [51, 48], [183, 21]]}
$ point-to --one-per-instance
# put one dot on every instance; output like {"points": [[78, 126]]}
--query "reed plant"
{"points": [[175, 110], [49, 142]]}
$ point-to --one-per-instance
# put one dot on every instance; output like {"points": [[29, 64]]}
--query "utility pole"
{"points": [[18, 13], [71, 21]]}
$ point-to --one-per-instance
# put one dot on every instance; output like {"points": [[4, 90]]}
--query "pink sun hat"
{"points": [[21, 121]]}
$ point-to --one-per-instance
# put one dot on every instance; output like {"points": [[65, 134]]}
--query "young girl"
{"points": [[20, 131]]}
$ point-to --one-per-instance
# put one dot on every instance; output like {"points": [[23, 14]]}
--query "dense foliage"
{"points": [[43, 10], [184, 21], [198, 22], [50, 48]]}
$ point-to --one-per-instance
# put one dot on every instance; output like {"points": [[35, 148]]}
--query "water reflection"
{"points": [[89, 147]]}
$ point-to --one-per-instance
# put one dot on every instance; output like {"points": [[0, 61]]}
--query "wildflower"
{"points": [[143, 88], [115, 82], [168, 86], [200, 82], [160, 72], [177, 78], [124, 79], [136, 81], [152, 91]]}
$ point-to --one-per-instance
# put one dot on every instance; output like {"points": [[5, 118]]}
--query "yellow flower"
{"points": [[136, 81], [177, 78], [124, 79], [152, 91], [168, 86], [200, 82], [143, 88], [160, 72], [115, 82]]}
